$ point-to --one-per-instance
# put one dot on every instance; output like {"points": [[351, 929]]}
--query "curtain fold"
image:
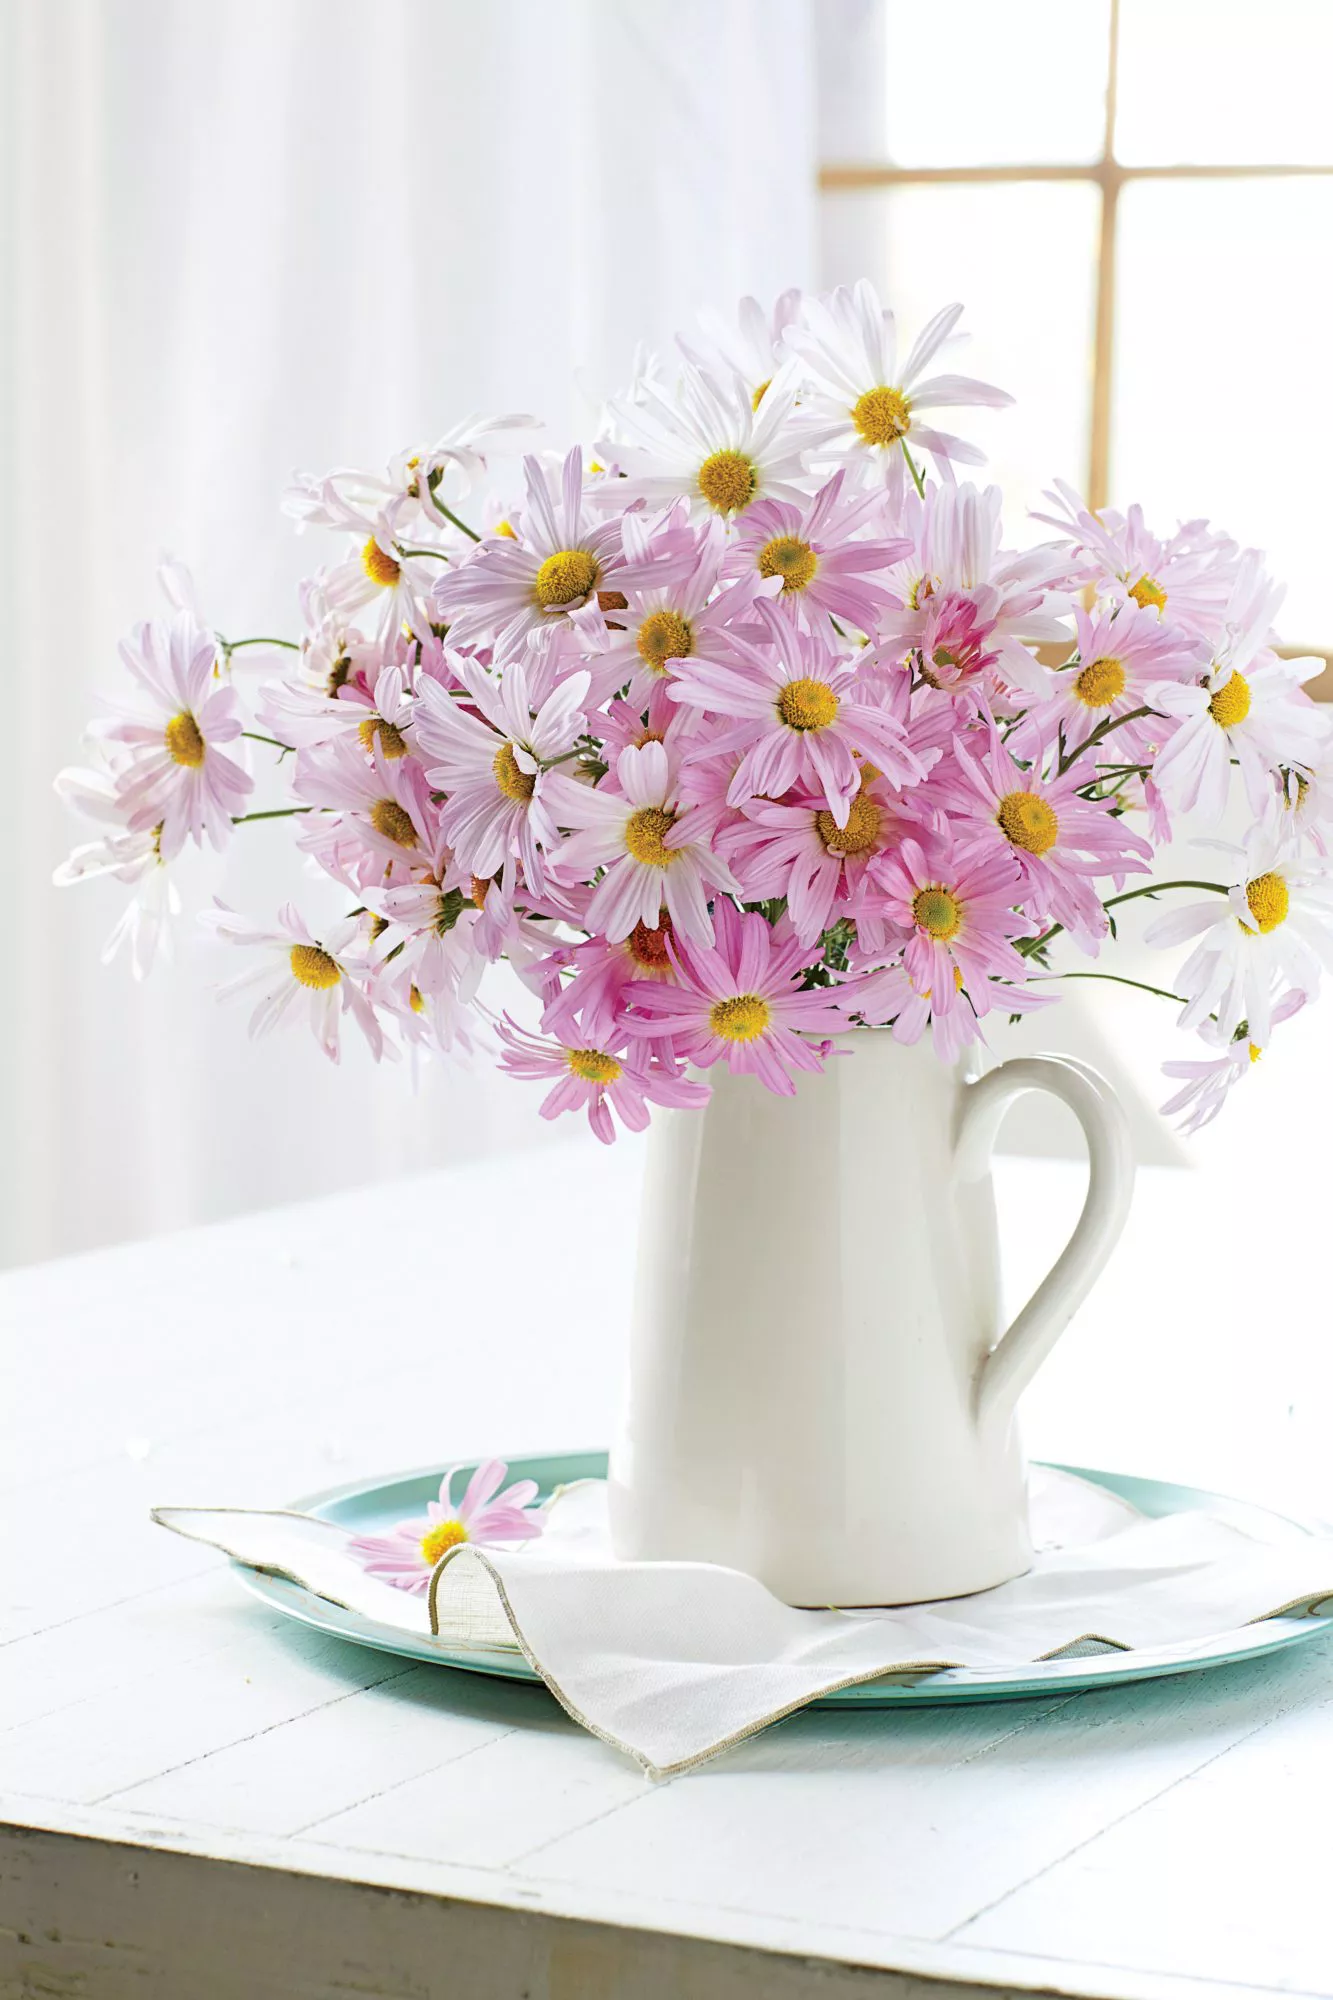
{"points": [[259, 234]]}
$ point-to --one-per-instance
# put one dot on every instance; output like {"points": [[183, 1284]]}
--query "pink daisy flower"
{"points": [[740, 1001], [175, 776], [492, 764], [975, 607], [1059, 840], [409, 1554], [508, 590], [1185, 579], [624, 1079], [374, 816], [635, 830], [813, 553], [797, 849], [667, 610], [1206, 1084], [596, 999], [804, 715], [955, 906], [1123, 655]]}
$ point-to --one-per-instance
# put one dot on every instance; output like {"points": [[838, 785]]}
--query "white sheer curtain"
{"points": [[256, 234]]}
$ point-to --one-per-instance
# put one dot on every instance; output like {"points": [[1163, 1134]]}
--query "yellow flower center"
{"points": [[593, 1066], [416, 1000], [807, 704], [1027, 821], [758, 395], [313, 968], [184, 741], [1255, 1052], [860, 833], [937, 912], [381, 569], [393, 744], [480, 885], [506, 529], [663, 636], [728, 481], [393, 822], [445, 1535], [1100, 683], [648, 947], [1269, 899], [1230, 703], [646, 834], [740, 1019], [882, 416], [791, 559], [568, 574], [515, 784], [1147, 591]]}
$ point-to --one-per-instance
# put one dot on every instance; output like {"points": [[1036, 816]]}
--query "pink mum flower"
{"points": [[409, 1554], [1123, 655], [804, 715], [1058, 840], [510, 589], [1185, 579], [634, 829], [813, 552], [175, 776], [492, 764], [797, 849], [740, 1000], [597, 997], [956, 907], [597, 1080]]}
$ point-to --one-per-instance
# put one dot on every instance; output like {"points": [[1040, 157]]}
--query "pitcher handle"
{"points": [[1016, 1357]]}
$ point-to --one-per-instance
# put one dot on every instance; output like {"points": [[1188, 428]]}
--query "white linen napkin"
{"points": [[672, 1662]]}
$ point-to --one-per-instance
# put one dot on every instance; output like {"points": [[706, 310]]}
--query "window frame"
{"points": [[1109, 176]]}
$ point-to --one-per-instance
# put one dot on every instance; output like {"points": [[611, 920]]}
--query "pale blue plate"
{"points": [[373, 1505]]}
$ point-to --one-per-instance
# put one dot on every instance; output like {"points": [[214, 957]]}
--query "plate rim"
{"points": [[1028, 1680]]}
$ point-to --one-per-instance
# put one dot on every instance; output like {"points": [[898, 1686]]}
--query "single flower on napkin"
{"points": [[407, 1555]]}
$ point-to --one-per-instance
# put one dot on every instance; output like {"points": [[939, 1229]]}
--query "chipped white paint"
{"points": [[158, 1727]]}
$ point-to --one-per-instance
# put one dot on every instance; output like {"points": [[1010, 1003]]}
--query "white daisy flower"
{"points": [[750, 345], [1272, 932], [864, 406], [378, 571], [706, 443], [144, 925], [636, 831], [1208, 1083], [297, 973], [1249, 707]]}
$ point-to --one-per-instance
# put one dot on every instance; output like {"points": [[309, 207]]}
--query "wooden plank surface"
{"points": [[203, 1798]]}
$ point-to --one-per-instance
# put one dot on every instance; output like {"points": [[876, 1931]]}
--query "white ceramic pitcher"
{"points": [[819, 1393]]}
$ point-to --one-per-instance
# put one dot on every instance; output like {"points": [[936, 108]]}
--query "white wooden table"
{"points": [[201, 1799]]}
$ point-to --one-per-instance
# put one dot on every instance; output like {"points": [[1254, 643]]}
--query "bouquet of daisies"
{"points": [[740, 731]]}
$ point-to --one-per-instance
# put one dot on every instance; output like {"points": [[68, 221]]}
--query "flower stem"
{"points": [[917, 480], [1159, 888], [1103, 729], [438, 554], [253, 736], [234, 645], [276, 812], [449, 515], [1118, 978]]}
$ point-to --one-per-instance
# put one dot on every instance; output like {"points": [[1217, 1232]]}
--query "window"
{"points": [[1134, 199]]}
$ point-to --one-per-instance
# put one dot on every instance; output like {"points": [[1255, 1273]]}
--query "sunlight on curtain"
{"points": [[262, 234]]}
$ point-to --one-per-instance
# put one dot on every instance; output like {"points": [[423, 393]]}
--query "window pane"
{"points": [[1021, 257], [962, 82], [1223, 391], [1230, 81]]}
